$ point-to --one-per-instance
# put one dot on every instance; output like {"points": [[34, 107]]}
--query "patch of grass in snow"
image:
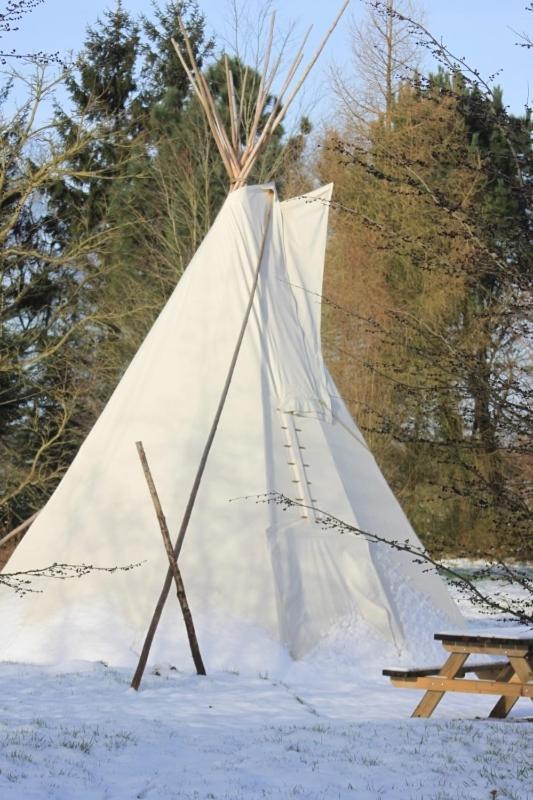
{"points": [[319, 728], [120, 740], [377, 792], [84, 745], [84, 739], [79, 738], [12, 778], [20, 755], [24, 738], [524, 771], [368, 761], [296, 747]]}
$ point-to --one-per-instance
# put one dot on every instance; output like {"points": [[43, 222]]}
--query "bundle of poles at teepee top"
{"points": [[238, 160]]}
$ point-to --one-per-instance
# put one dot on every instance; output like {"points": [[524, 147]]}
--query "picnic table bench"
{"points": [[511, 677]]}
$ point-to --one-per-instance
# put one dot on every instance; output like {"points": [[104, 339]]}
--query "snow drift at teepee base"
{"points": [[261, 581]]}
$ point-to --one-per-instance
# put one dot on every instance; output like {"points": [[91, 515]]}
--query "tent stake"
{"points": [[176, 574], [203, 461]]}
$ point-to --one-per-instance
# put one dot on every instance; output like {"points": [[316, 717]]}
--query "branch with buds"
{"points": [[519, 610], [22, 582]]}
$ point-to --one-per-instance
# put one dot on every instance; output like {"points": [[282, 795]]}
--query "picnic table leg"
{"points": [[519, 670], [523, 668], [431, 699], [504, 704], [529, 661]]}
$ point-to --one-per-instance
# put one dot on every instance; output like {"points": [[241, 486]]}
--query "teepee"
{"points": [[232, 400]]}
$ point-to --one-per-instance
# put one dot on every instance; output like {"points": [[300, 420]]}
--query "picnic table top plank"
{"points": [[488, 640]]}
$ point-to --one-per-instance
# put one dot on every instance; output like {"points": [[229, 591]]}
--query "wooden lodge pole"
{"points": [[203, 461], [173, 565]]}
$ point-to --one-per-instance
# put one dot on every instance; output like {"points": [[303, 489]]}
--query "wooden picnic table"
{"points": [[511, 677]]}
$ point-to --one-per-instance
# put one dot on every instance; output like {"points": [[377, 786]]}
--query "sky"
{"points": [[482, 31]]}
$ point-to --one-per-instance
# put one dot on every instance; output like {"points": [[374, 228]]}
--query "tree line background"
{"points": [[427, 297]]}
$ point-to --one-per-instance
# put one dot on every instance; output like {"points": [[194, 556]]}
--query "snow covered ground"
{"points": [[325, 728]]}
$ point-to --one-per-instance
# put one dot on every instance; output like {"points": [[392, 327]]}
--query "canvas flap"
{"points": [[290, 298]]}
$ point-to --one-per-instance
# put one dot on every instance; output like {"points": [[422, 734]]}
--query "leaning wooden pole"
{"points": [[239, 161], [203, 461], [173, 565]]}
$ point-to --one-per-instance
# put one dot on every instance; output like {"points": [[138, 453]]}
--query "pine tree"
{"points": [[165, 86], [101, 93]]}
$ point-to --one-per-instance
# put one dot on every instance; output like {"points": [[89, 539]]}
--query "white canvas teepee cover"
{"points": [[284, 429]]}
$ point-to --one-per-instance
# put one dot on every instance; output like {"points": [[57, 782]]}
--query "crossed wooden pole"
{"points": [[175, 571]]}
